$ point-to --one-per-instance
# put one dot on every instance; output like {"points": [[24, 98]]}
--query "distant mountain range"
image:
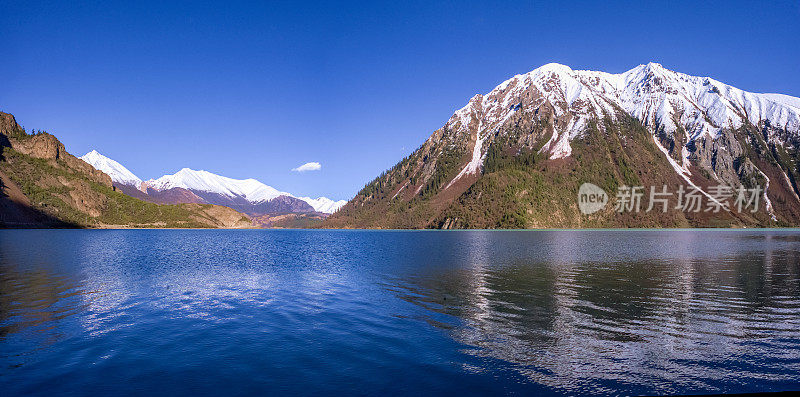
{"points": [[512, 158], [190, 186], [42, 185], [516, 156]]}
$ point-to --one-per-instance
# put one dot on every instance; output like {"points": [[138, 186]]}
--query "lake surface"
{"points": [[209, 312]]}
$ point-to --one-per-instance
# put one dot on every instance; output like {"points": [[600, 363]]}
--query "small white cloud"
{"points": [[312, 166]]}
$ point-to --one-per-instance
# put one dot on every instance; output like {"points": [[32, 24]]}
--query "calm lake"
{"points": [[206, 312]]}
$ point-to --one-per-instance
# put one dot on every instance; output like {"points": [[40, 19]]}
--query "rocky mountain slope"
{"points": [[516, 156], [190, 186], [41, 185], [306, 220]]}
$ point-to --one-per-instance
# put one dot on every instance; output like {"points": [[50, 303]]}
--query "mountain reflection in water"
{"points": [[561, 312]]}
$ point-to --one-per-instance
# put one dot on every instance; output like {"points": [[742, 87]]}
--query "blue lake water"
{"points": [[205, 312]]}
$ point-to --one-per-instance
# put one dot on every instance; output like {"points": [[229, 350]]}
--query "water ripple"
{"points": [[474, 312]]}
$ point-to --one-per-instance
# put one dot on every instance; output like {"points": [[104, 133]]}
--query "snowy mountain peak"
{"points": [[250, 189], [654, 66], [324, 204], [554, 67], [187, 178], [660, 98], [115, 170]]}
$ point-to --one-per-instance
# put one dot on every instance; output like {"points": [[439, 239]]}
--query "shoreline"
{"points": [[416, 230]]}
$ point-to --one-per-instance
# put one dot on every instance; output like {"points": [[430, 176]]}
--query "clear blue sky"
{"points": [[253, 90]]}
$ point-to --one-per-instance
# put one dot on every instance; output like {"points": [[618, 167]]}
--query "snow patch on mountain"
{"points": [[684, 173], [475, 164], [324, 204], [783, 99], [115, 170]]}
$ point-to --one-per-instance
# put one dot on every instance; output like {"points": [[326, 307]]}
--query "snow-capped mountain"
{"points": [[704, 131], [115, 170], [187, 185], [250, 190], [679, 108], [204, 181], [324, 204], [658, 97]]}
